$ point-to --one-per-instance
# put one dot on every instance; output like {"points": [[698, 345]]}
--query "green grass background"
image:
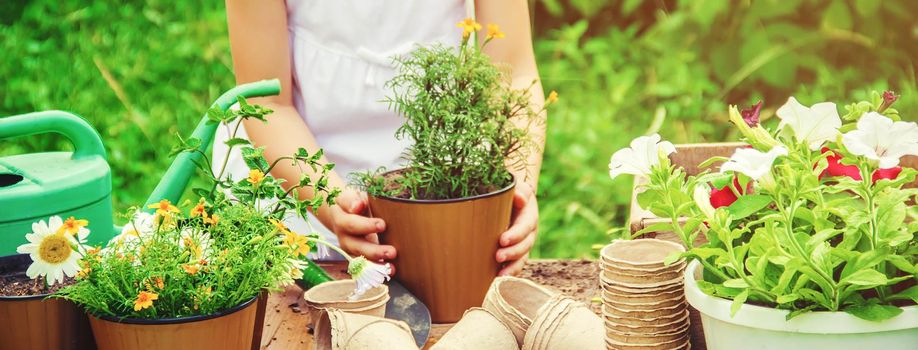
{"points": [[143, 71]]}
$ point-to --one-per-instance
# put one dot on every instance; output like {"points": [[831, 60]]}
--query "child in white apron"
{"points": [[333, 59]]}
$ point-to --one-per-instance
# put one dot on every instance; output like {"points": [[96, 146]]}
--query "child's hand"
{"points": [[356, 232], [518, 239]]}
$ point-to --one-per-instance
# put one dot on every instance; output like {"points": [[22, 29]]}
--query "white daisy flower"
{"points": [[813, 125], [367, 274], [880, 139], [52, 252], [752, 162], [641, 157]]}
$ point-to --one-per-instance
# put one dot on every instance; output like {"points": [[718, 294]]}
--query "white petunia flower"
{"points": [[644, 154], [368, 275], [812, 125], [52, 252], [881, 139], [752, 162], [702, 197]]}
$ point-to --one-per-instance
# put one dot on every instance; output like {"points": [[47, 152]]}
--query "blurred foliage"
{"points": [[143, 71]]}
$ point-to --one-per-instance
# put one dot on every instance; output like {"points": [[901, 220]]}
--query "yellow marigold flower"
{"points": [[71, 226], [83, 273], [212, 219], [199, 209], [552, 97], [494, 32], [144, 300], [255, 176], [298, 243], [191, 269], [158, 282], [164, 208], [468, 26], [280, 226]]}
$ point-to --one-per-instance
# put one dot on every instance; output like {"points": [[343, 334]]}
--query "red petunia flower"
{"points": [[837, 169], [724, 196], [888, 174]]}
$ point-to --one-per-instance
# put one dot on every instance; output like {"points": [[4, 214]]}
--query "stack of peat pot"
{"points": [[643, 299]]}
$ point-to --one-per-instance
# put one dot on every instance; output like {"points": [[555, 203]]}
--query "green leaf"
{"points": [[866, 278], [738, 302], [747, 205], [874, 311], [736, 283], [237, 141], [787, 298], [909, 294]]}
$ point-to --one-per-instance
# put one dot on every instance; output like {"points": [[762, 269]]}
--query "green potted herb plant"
{"points": [[188, 280], [810, 231], [445, 210]]}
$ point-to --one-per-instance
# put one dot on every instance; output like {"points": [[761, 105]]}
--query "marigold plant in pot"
{"points": [[817, 248], [48, 262], [176, 279], [444, 211]]}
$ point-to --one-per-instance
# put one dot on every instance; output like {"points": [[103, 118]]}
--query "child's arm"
{"points": [[260, 46], [516, 50]]}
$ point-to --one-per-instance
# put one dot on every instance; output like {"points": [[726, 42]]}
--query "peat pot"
{"points": [[446, 248], [764, 328], [37, 322], [231, 329]]}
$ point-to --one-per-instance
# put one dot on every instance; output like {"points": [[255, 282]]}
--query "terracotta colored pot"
{"points": [[446, 248], [36, 323], [230, 329]]}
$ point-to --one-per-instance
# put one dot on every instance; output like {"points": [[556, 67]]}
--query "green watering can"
{"points": [[39, 185]]}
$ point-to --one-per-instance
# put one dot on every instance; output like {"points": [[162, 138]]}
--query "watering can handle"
{"points": [[176, 178], [86, 141]]}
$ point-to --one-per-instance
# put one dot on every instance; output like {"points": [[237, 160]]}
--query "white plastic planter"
{"points": [[763, 328]]}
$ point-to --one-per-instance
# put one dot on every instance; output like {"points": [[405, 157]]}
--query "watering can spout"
{"points": [[176, 178]]}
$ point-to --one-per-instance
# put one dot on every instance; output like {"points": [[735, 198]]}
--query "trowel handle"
{"points": [[176, 178], [86, 141]]}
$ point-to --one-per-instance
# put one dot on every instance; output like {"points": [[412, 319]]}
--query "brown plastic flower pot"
{"points": [[36, 322], [227, 330], [446, 248]]}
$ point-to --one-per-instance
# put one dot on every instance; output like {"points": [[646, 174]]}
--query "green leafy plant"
{"points": [[807, 218], [466, 125], [231, 244]]}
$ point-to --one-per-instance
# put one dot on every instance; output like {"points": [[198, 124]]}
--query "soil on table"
{"points": [[578, 279]]}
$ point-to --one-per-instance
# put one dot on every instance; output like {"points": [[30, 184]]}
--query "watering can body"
{"points": [[36, 186]]}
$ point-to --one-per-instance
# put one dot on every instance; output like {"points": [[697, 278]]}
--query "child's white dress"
{"points": [[342, 57]]}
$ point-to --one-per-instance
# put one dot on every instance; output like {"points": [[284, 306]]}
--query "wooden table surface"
{"points": [[287, 323]]}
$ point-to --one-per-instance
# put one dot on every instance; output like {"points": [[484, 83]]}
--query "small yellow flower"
{"points": [[191, 269], [83, 273], [158, 282], [280, 226], [144, 300], [468, 26], [255, 176], [164, 208], [71, 226], [298, 243], [494, 32], [199, 209], [552, 97], [212, 219]]}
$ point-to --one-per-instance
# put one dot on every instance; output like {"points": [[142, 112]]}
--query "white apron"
{"points": [[342, 57]]}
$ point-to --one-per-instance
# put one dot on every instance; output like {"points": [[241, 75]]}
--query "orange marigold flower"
{"points": [[298, 243], [211, 220], [144, 300], [158, 282], [191, 269], [164, 208], [199, 209], [494, 32], [83, 273], [72, 225], [255, 176], [468, 26], [279, 226]]}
